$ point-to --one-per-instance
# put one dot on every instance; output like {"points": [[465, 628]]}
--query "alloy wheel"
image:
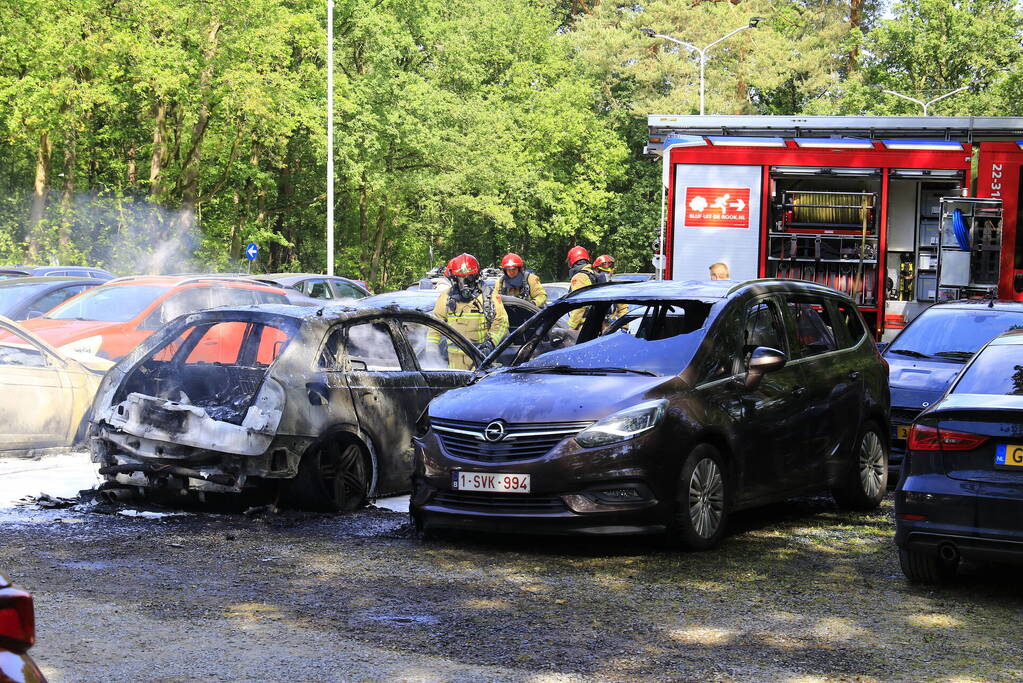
{"points": [[706, 497], [343, 475], [872, 464]]}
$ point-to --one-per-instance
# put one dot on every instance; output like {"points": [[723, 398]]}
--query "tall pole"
{"points": [[703, 64], [330, 137]]}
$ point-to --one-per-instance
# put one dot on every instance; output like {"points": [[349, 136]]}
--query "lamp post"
{"points": [[928, 102], [702, 52], [330, 137]]}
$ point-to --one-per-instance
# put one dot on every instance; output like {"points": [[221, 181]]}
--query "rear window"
{"points": [[998, 370], [232, 342], [108, 303], [954, 333]]}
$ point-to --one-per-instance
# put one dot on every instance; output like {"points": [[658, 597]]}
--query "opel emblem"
{"points": [[494, 431]]}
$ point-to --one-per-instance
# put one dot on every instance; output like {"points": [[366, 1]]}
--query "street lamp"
{"points": [[650, 33], [330, 137], [929, 102]]}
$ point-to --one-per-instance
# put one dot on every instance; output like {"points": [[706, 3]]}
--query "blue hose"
{"points": [[960, 231]]}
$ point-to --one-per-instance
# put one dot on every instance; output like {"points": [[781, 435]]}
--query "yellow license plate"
{"points": [[1009, 456], [902, 432]]}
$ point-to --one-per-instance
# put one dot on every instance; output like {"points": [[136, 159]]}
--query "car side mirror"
{"points": [[34, 314], [881, 346], [763, 360]]}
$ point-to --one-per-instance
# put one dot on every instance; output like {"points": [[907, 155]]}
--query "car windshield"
{"points": [[649, 338], [11, 295], [998, 370], [108, 303], [953, 333]]}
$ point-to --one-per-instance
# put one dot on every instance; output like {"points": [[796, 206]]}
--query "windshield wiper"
{"points": [[965, 355], [570, 370], [909, 352]]}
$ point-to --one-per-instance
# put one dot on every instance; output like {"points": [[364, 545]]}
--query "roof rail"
{"points": [[215, 277]]}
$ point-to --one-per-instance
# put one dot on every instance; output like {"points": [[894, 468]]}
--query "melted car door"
{"points": [[36, 401], [772, 429], [386, 390], [428, 343]]}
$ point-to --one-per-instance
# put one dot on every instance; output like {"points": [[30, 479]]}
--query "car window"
{"points": [[763, 327], [343, 290], [847, 318], [517, 315], [17, 354], [108, 303], [431, 346], [366, 346], [955, 334], [317, 289], [232, 296], [56, 297], [187, 301], [811, 327], [998, 370]]}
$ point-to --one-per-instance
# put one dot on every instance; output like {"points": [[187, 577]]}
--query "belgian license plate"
{"points": [[1009, 456], [902, 432], [498, 482]]}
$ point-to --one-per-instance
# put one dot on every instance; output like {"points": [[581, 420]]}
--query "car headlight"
{"points": [[625, 424], [89, 346]]}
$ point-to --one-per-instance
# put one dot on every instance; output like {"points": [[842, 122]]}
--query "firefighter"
{"points": [[605, 267], [469, 307], [520, 282], [582, 274]]}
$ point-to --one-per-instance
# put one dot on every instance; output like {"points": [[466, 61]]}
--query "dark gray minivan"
{"points": [[702, 399]]}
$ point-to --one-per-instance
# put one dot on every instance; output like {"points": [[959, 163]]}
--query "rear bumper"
{"points": [[979, 548]]}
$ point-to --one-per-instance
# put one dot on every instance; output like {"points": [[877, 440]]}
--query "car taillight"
{"points": [[923, 438], [17, 619]]}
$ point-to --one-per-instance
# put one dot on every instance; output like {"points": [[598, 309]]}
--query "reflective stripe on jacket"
{"points": [[470, 319]]}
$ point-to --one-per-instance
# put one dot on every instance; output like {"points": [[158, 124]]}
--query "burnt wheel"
{"points": [[865, 479], [922, 568], [701, 503], [332, 478]]}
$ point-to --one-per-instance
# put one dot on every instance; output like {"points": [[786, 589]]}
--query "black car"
{"points": [[925, 358], [705, 399], [56, 271], [317, 403], [22, 298], [960, 495]]}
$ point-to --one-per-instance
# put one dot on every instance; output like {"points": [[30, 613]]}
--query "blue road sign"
{"points": [[252, 251]]}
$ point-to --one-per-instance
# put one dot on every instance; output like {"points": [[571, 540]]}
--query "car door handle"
{"points": [[799, 391], [855, 374]]}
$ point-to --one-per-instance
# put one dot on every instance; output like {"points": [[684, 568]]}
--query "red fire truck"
{"points": [[898, 212]]}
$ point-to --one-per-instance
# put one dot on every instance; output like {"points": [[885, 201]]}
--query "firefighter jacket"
{"points": [[529, 288], [584, 277], [480, 320]]}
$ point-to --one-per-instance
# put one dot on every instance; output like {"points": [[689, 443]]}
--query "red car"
{"points": [[17, 635]]}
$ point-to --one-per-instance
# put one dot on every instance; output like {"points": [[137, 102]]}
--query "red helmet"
{"points": [[604, 262], [512, 261], [463, 265], [576, 254]]}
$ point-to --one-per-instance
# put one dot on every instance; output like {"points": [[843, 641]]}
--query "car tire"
{"points": [[865, 480], [333, 477], [701, 501], [924, 568]]}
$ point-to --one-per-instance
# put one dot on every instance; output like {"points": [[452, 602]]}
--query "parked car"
{"points": [[318, 286], [721, 397], [44, 393], [632, 277], [55, 271], [556, 290], [112, 319], [17, 636], [927, 355], [321, 402], [22, 298], [960, 495]]}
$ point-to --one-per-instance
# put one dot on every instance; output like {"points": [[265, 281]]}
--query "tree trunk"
{"points": [[378, 244], [159, 154], [855, 24], [68, 191], [42, 186], [133, 166]]}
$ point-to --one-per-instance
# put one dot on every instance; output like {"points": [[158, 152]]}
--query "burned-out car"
{"points": [[319, 402]]}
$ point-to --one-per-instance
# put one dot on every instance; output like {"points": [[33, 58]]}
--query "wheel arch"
{"points": [[350, 433], [720, 441]]}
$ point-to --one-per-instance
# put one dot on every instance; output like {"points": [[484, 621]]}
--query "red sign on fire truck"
{"points": [[717, 207]]}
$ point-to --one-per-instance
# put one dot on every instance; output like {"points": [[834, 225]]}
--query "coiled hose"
{"points": [[962, 234]]}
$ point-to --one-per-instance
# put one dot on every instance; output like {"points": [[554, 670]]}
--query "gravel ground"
{"points": [[798, 592]]}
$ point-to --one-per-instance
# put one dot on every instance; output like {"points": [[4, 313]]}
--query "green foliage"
{"points": [[163, 135]]}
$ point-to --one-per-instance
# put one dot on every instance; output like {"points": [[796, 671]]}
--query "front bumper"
{"points": [[614, 490]]}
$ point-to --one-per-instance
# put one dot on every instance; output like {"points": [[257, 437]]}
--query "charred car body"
{"points": [[703, 399], [321, 401]]}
